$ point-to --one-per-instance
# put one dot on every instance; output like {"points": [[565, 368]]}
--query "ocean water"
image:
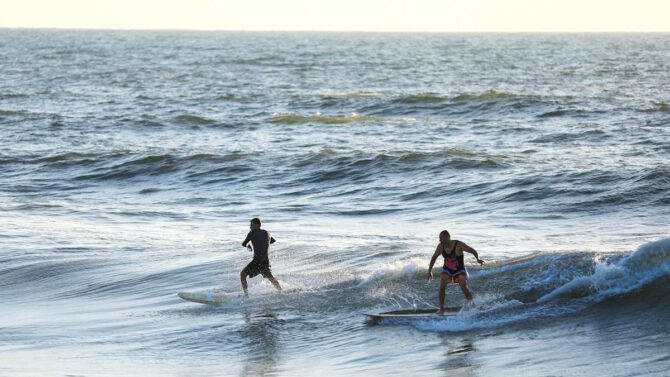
{"points": [[131, 163]]}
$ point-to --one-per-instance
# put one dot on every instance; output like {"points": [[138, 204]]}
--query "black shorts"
{"points": [[254, 268]]}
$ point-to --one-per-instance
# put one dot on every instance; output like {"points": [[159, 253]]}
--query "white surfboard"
{"points": [[207, 297], [412, 314]]}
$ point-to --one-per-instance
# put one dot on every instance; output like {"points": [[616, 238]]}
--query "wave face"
{"points": [[131, 163]]}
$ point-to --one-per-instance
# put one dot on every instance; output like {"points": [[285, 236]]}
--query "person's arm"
{"points": [[272, 239], [246, 241], [432, 262], [470, 250]]}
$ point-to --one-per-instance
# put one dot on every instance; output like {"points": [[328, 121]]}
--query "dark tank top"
{"points": [[452, 262]]}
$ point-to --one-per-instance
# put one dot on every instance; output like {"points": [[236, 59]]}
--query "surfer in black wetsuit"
{"points": [[261, 240], [453, 268]]}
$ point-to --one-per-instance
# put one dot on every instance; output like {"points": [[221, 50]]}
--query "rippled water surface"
{"points": [[131, 163]]}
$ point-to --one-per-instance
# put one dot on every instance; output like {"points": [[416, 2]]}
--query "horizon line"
{"points": [[334, 31]]}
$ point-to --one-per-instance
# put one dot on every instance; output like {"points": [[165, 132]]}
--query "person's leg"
{"points": [[274, 282], [243, 280], [462, 281], [444, 280], [267, 273]]}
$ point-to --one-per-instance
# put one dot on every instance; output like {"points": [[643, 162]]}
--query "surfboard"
{"points": [[412, 313], [207, 297]]}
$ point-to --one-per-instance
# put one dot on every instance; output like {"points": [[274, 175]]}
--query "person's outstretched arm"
{"points": [[470, 250]]}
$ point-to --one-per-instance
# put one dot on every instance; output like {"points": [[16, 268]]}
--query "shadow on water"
{"points": [[262, 343], [457, 356]]}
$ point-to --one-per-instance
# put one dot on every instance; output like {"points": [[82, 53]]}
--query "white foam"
{"points": [[397, 269], [611, 277], [649, 262], [486, 311]]}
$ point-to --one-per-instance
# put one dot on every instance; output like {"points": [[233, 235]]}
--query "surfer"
{"points": [[453, 268], [261, 240]]}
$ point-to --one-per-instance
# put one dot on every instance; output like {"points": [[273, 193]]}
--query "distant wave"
{"points": [[10, 95], [461, 158], [561, 137], [490, 95], [130, 165], [343, 173], [432, 98], [193, 119], [654, 107], [12, 112], [293, 118], [420, 98], [466, 104], [335, 95], [319, 166]]}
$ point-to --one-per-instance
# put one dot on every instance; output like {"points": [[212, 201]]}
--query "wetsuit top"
{"points": [[261, 240], [453, 263]]}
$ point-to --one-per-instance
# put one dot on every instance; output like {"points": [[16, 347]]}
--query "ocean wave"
{"points": [[486, 311], [330, 162], [193, 119], [131, 165], [44, 272], [654, 107], [505, 292], [347, 95], [470, 105], [631, 273], [12, 113], [73, 157], [433, 104], [572, 113], [389, 105], [433, 98], [293, 118], [583, 136], [393, 271], [589, 191], [420, 98], [523, 279], [490, 95], [323, 165], [645, 187], [10, 95], [539, 286]]}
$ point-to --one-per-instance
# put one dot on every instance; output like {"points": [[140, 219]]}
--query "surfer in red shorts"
{"points": [[453, 268]]}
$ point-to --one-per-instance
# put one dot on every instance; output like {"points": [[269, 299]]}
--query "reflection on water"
{"points": [[262, 344], [458, 355]]}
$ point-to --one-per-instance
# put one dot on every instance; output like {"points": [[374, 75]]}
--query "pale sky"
{"points": [[343, 15]]}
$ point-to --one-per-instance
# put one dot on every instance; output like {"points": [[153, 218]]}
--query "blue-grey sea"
{"points": [[132, 162]]}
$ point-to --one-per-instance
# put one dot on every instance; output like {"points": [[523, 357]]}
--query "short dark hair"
{"points": [[445, 233], [256, 220]]}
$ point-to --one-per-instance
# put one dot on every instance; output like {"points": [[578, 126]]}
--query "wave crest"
{"points": [[293, 118], [649, 262]]}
